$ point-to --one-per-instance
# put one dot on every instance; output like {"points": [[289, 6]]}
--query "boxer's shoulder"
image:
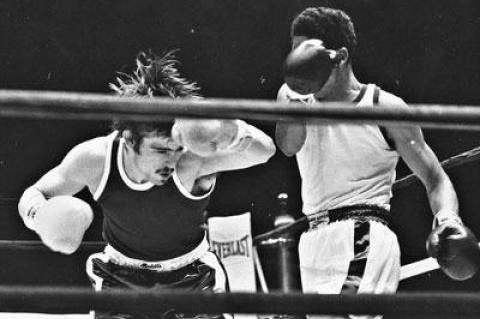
{"points": [[91, 153], [388, 99], [86, 161]]}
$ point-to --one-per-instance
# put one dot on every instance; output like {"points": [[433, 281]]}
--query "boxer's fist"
{"points": [[62, 221], [308, 67], [456, 249], [204, 137]]}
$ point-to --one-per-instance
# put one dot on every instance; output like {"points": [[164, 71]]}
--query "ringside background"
{"points": [[425, 52]]}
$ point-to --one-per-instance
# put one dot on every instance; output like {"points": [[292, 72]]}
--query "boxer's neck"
{"points": [[345, 87], [130, 167]]}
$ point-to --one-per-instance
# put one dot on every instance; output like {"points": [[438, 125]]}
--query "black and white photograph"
{"points": [[225, 159]]}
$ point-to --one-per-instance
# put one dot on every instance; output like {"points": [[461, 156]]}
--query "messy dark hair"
{"points": [[154, 76], [333, 26]]}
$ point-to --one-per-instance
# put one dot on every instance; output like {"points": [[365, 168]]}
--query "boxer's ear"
{"points": [[341, 56]]}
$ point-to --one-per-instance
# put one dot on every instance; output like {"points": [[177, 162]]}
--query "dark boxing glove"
{"points": [[455, 247], [308, 67]]}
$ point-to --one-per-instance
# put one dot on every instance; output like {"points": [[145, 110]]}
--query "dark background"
{"points": [[424, 51]]}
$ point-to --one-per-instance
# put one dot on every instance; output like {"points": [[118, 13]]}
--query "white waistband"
{"points": [[162, 265]]}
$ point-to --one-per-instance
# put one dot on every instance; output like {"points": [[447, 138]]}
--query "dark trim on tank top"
{"points": [[120, 161], [145, 186], [360, 95], [383, 130], [186, 193], [111, 138]]}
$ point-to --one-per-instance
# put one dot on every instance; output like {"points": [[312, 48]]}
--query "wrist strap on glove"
{"points": [[445, 216], [28, 210], [242, 139]]}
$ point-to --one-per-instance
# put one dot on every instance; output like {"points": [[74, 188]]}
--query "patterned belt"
{"points": [[355, 212], [162, 265]]}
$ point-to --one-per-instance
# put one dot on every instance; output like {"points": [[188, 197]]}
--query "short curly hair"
{"points": [[154, 76], [333, 26]]}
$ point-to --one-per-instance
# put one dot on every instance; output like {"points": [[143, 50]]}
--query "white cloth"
{"points": [[231, 239]]}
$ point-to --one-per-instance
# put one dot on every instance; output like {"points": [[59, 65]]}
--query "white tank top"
{"points": [[346, 164]]}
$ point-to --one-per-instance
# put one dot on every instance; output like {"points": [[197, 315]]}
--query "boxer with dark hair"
{"points": [[153, 182], [347, 170]]}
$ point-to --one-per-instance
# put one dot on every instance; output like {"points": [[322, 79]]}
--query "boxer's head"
{"points": [[332, 26], [154, 158], [331, 42], [309, 66], [155, 76], [151, 148]]}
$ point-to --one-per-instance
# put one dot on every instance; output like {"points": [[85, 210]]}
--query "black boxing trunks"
{"points": [[107, 270]]}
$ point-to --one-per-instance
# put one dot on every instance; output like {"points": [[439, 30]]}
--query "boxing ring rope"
{"points": [[64, 300], [89, 106], [450, 163], [82, 106]]}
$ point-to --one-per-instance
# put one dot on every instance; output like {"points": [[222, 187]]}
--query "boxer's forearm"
{"points": [[211, 137], [442, 196]]}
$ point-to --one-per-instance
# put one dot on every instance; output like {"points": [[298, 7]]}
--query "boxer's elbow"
{"points": [[263, 149], [270, 149], [290, 138], [288, 150]]}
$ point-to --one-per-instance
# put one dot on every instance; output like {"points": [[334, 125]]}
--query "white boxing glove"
{"points": [[208, 137], [60, 222]]}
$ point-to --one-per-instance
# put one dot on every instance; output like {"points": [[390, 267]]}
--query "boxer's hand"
{"points": [[456, 249], [61, 223], [204, 137]]}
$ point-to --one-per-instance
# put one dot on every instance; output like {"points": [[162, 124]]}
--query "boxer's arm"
{"points": [[224, 145], [450, 242], [420, 158], [289, 137], [69, 177], [77, 169]]}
